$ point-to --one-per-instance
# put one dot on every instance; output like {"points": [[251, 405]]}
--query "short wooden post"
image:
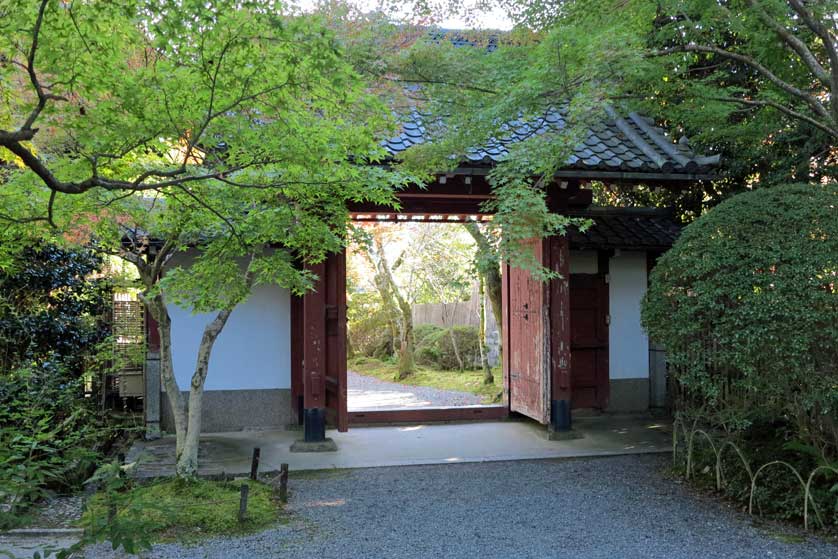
{"points": [[254, 464], [283, 483], [243, 502]]}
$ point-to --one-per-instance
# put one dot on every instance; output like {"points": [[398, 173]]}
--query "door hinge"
{"points": [[608, 320]]}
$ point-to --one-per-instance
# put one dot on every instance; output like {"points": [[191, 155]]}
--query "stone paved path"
{"points": [[369, 394]]}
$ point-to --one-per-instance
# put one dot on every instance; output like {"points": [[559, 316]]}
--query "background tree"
{"points": [[442, 262], [396, 304], [487, 263], [752, 80]]}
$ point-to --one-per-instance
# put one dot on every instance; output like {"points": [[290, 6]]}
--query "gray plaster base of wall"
{"points": [[629, 395], [238, 410]]}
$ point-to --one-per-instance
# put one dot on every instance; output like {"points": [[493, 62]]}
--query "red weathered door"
{"points": [[526, 353], [589, 340], [335, 284]]}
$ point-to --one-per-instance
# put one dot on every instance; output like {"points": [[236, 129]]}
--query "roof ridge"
{"points": [[644, 146]]}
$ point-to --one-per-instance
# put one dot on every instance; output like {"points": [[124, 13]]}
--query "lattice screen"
{"points": [[129, 343]]}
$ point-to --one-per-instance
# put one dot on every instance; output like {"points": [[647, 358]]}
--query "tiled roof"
{"points": [[626, 228], [630, 145]]}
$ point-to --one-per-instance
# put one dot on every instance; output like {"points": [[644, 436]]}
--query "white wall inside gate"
{"points": [[252, 352], [628, 345]]}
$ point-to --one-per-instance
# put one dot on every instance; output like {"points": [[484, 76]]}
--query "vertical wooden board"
{"points": [[336, 389], [505, 345], [528, 382], [560, 364], [314, 342], [296, 354], [152, 332]]}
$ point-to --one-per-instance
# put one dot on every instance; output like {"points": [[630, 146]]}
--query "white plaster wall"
{"points": [[584, 262], [252, 352], [628, 345]]}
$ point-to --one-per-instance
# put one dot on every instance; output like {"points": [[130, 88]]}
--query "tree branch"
{"points": [[793, 42], [783, 109], [828, 43], [809, 99]]}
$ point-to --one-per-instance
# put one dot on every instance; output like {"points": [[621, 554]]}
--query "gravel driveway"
{"points": [[369, 393], [611, 508]]}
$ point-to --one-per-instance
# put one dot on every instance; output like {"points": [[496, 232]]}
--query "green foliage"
{"points": [[473, 94], [236, 126], [746, 304], [50, 437], [756, 469], [53, 308], [368, 325], [435, 349], [178, 509], [752, 81]]}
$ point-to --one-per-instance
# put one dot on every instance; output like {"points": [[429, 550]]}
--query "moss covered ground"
{"points": [[183, 510], [462, 381]]}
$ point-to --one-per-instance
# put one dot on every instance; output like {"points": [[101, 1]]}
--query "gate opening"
{"points": [[424, 328]]}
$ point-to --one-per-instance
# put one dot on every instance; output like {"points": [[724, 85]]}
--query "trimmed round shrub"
{"points": [[746, 303]]}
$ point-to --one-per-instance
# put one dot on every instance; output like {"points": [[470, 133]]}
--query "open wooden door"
{"points": [[526, 333]]}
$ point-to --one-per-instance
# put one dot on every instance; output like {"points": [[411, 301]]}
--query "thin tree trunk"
{"points": [[488, 377], [393, 299], [187, 419], [187, 464], [488, 266], [407, 363], [452, 335], [158, 309]]}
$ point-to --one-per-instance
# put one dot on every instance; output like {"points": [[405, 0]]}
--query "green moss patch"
{"points": [[186, 510]]}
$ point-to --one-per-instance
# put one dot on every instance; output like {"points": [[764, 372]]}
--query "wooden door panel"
{"points": [[528, 374], [589, 340]]}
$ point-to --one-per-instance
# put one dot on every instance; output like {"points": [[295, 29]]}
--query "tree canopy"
{"points": [[151, 128], [753, 80]]}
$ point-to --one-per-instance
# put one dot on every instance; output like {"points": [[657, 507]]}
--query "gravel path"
{"points": [[612, 508], [369, 393]]}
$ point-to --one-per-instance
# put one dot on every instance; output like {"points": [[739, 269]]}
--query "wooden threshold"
{"points": [[427, 415]]}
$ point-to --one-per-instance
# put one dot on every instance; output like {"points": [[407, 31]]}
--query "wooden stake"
{"points": [[254, 464], [283, 483], [243, 502]]}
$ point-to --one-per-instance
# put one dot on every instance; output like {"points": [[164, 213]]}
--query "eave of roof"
{"points": [[617, 149], [626, 228]]}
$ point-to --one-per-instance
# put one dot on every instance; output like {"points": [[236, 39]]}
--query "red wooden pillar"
{"points": [[505, 346], [334, 284], [321, 343], [151, 378], [314, 359], [297, 357], [560, 377]]}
